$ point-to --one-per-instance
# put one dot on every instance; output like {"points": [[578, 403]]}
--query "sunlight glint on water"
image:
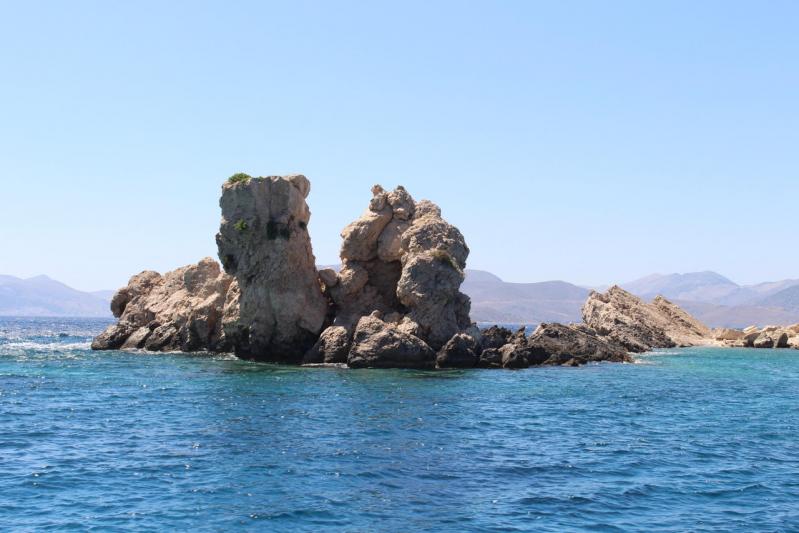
{"points": [[693, 439]]}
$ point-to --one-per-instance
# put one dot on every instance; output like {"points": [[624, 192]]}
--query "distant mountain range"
{"points": [[714, 299], [43, 296], [494, 300], [718, 301]]}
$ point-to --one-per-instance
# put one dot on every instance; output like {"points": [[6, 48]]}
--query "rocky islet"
{"points": [[394, 303]]}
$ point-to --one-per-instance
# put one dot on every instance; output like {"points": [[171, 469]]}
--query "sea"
{"points": [[699, 439]]}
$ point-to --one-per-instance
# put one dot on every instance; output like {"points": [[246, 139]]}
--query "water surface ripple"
{"points": [[687, 440]]}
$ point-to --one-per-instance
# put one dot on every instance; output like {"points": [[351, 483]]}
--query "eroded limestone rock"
{"points": [[263, 242], [728, 334], [771, 338], [181, 310], [402, 259], [639, 326], [377, 344], [333, 346]]}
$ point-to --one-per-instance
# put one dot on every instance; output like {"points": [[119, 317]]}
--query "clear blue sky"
{"points": [[588, 141]]}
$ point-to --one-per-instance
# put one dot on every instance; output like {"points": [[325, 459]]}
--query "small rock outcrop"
{"points": [[558, 344], [264, 244], [548, 344], [333, 347], [771, 337], [461, 351], [639, 326], [755, 337], [181, 310]]}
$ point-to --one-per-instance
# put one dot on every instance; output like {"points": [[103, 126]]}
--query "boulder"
{"points": [[113, 337], [748, 340], [495, 337], [515, 356], [771, 338], [377, 344], [638, 326], [461, 351], [490, 358], [763, 340], [263, 242], [181, 310], [328, 277], [333, 346]]}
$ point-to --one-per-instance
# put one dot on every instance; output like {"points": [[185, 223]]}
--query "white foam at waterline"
{"points": [[46, 346]]}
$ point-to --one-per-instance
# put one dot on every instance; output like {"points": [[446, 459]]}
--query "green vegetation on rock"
{"points": [[239, 177]]}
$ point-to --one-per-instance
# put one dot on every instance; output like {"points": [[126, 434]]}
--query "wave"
{"points": [[45, 346]]}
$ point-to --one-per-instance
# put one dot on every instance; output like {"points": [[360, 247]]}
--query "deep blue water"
{"points": [[687, 440]]}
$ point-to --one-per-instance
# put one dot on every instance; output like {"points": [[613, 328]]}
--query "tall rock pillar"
{"points": [[264, 244]]}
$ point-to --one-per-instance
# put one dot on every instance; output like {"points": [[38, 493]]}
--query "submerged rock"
{"points": [[181, 310], [263, 242]]}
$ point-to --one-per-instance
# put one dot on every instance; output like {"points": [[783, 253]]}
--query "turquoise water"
{"points": [[687, 440]]}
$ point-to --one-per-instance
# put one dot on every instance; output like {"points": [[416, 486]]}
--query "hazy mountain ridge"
{"points": [[708, 287], [494, 300], [720, 302], [43, 296], [711, 297]]}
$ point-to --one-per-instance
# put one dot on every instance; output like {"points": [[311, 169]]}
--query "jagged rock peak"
{"points": [[640, 326], [263, 242]]}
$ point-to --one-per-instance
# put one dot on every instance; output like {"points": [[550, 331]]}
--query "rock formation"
{"points": [[264, 244], [377, 344], [181, 310], [557, 344], [402, 260], [549, 344], [639, 326], [461, 351], [755, 337], [395, 303]]}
